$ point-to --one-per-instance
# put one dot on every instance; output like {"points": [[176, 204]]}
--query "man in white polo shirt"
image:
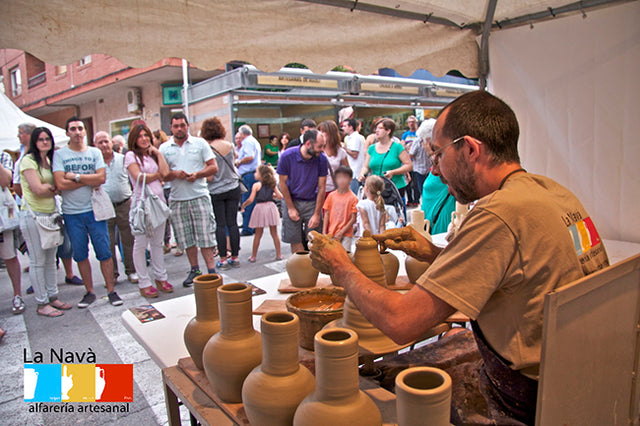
{"points": [[191, 161]]}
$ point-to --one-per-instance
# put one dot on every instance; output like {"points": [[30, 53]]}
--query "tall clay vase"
{"points": [[423, 397], [206, 323], [300, 271], [415, 268], [337, 399], [231, 354], [273, 390], [391, 266]]}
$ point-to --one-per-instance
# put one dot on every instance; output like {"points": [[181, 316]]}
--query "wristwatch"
{"points": [[77, 178]]}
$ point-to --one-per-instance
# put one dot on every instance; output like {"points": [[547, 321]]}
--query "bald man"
{"points": [[118, 188]]}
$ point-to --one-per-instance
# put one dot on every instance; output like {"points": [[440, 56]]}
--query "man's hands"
{"points": [[327, 253], [409, 241], [314, 221], [294, 215]]}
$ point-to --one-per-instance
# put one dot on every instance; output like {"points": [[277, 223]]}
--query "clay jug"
{"points": [[273, 390], [423, 397], [391, 266], [420, 224], [231, 354], [367, 259], [337, 399], [415, 268], [300, 271], [206, 323]]}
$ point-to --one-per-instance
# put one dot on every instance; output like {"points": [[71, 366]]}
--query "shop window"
{"points": [[16, 81], [122, 127]]}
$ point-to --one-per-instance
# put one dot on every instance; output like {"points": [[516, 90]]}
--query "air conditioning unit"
{"points": [[134, 100]]}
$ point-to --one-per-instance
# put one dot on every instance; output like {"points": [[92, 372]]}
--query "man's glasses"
{"points": [[437, 154]]}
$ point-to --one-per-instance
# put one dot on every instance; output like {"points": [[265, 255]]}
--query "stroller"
{"points": [[393, 202]]}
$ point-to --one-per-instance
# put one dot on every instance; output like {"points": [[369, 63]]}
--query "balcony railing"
{"points": [[37, 79]]}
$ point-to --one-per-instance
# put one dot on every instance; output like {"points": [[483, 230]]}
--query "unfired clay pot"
{"points": [[273, 390], [391, 266], [423, 397], [367, 259], [415, 268], [337, 399], [231, 354], [206, 323], [300, 271]]}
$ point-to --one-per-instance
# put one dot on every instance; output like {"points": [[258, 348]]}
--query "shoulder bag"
{"points": [[101, 205], [9, 217], [50, 229], [148, 211], [243, 187]]}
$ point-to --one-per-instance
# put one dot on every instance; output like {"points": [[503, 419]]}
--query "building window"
{"points": [[16, 81], [61, 69], [84, 61], [36, 71]]}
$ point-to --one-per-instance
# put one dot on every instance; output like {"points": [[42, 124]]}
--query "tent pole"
{"points": [[185, 88], [483, 60]]}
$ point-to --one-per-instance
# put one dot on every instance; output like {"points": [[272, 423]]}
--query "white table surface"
{"points": [[163, 339]]}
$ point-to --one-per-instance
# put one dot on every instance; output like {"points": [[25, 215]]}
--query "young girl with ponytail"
{"points": [[371, 211]]}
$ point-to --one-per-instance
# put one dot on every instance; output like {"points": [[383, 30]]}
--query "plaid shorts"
{"points": [[193, 222]]}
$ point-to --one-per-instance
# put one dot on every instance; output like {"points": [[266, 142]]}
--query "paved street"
{"points": [[100, 330]]}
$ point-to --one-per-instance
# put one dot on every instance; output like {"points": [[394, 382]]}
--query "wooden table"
{"points": [[185, 383]]}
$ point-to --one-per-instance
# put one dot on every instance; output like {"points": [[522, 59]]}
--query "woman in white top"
{"points": [[336, 154], [145, 158]]}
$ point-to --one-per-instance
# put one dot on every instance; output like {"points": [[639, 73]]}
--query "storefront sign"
{"points": [[389, 88], [296, 81]]}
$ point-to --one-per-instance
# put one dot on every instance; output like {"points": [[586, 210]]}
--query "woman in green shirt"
{"points": [[386, 157], [271, 151], [38, 192]]}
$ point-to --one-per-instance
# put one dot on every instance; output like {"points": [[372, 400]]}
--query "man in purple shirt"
{"points": [[303, 176]]}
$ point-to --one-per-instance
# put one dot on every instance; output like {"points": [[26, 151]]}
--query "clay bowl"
{"points": [[315, 310]]}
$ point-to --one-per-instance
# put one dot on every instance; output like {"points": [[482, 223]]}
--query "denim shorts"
{"points": [[80, 227]]}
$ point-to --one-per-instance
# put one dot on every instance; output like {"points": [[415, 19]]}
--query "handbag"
{"points": [[49, 229], [101, 205], [9, 217], [148, 211], [243, 187]]}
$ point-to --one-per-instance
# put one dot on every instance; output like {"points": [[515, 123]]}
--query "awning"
{"points": [[437, 35]]}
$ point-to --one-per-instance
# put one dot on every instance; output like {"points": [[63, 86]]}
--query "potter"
{"points": [[510, 250]]}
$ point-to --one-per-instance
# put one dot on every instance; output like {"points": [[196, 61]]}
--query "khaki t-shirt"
{"points": [[516, 245]]}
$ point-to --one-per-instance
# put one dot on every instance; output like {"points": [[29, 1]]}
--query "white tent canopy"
{"points": [[437, 35], [11, 116]]}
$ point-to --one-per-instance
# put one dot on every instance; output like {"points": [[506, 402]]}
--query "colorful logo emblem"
{"points": [[78, 382], [585, 236]]}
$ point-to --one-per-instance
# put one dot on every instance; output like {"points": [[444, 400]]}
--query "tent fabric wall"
{"points": [[266, 33], [11, 117], [574, 86]]}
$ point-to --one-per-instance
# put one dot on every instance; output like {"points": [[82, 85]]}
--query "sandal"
{"points": [[252, 259], [51, 313], [178, 252], [149, 292], [55, 303], [279, 257], [164, 286]]}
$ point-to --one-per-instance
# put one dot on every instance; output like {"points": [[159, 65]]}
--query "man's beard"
{"points": [[312, 152], [463, 183]]}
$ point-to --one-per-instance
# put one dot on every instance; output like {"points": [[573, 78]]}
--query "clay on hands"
{"points": [[325, 251], [409, 241]]}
